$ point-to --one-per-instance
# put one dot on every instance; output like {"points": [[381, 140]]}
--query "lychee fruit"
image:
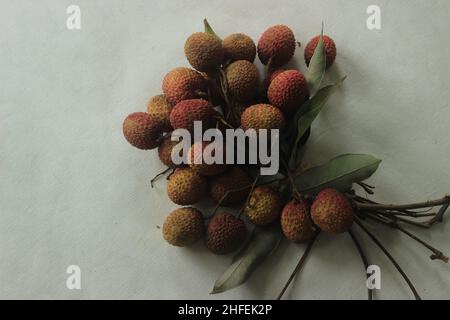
{"points": [[264, 205], [243, 80], [288, 90], [182, 84], [159, 108], [295, 221], [186, 187], [328, 45], [225, 233], [239, 46], [277, 44], [186, 112], [165, 151], [142, 131], [197, 160], [204, 51], [183, 227], [271, 74], [222, 186], [262, 116], [332, 212]]}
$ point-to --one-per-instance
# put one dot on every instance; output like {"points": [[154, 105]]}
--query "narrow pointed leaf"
{"points": [[262, 243], [339, 173], [210, 30], [307, 114], [314, 106], [316, 68]]}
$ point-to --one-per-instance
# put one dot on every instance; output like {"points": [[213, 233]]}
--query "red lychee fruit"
{"points": [[225, 233], [276, 44], [239, 46], [328, 45], [186, 112], [288, 91], [165, 151], [295, 221], [243, 80], [142, 131], [332, 212], [204, 51], [262, 116], [159, 108], [182, 84], [183, 227], [186, 187], [224, 184]]}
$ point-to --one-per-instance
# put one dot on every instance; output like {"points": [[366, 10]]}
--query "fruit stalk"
{"points": [[300, 263]]}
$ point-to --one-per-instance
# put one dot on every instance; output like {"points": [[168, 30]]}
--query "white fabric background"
{"points": [[72, 191]]}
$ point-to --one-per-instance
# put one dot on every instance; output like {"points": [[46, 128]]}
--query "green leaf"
{"points": [[316, 68], [307, 113], [262, 243], [339, 173], [210, 30]]}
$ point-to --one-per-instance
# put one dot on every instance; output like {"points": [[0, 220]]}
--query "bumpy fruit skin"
{"points": [[329, 46], [183, 227], [234, 178], [278, 43], [332, 212], [262, 116], [264, 206], [288, 91], [271, 74], [186, 112], [203, 51], [225, 233], [182, 84], [165, 151], [159, 108], [239, 46], [196, 153], [186, 187], [142, 131], [295, 221], [243, 80]]}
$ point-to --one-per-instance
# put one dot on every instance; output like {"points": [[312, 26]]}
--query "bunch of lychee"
{"points": [[222, 82]]}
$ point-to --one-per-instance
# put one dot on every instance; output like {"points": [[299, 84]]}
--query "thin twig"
{"points": [[436, 253], [366, 187], [300, 263], [159, 175], [431, 203], [439, 216], [397, 266], [296, 193], [363, 258]]}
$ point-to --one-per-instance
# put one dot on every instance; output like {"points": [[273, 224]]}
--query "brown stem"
{"points": [[296, 193], [364, 259], [367, 188], [405, 214], [439, 216], [431, 203], [405, 211], [436, 253], [397, 266], [300, 263], [159, 175]]}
